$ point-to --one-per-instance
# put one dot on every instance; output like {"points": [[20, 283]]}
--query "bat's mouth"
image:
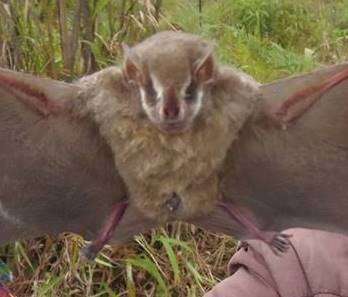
{"points": [[174, 128]]}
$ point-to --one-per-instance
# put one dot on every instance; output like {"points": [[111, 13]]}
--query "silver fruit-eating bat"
{"points": [[58, 171]]}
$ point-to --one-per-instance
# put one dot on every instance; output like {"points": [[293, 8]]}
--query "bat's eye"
{"points": [[190, 93]]}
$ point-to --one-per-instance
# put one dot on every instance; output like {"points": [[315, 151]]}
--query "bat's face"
{"points": [[171, 107], [172, 86]]}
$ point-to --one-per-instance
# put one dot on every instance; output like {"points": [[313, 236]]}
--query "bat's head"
{"points": [[174, 73]]}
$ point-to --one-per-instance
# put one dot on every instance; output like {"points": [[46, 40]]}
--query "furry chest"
{"points": [[156, 167]]}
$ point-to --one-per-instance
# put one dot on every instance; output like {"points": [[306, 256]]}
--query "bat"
{"points": [[59, 170]]}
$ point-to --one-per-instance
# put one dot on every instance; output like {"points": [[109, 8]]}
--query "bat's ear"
{"points": [[45, 95], [131, 68], [205, 69]]}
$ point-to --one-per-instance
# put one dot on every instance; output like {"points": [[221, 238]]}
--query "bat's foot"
{"points": [[278, 242], [90, 252]]}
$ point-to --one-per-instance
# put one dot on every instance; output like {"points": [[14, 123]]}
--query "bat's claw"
{"points": [[279, 243], [88, 253]]}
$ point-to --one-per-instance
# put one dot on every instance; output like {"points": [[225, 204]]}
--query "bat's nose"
{"points": [[171, 111], [171, 105]]}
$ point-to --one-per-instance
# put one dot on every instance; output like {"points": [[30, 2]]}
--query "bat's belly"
{"points": [[171, 199]]}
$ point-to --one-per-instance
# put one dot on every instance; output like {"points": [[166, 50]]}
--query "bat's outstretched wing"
{"points": [[296, 176], [56, 173]]}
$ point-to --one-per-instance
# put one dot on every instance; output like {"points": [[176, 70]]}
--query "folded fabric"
{"points": [[316, 264]]}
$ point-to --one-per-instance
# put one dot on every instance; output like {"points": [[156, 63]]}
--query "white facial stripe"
{"points": [[198, 104], [158, 87], [143, 102]]}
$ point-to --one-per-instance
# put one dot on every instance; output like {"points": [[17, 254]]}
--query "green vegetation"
{"points": [[268, 39]]}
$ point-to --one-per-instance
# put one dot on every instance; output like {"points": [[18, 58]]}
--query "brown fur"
{"points": [[155, 164]]}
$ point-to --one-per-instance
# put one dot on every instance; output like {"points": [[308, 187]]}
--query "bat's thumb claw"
{"points": [[88, 254]]}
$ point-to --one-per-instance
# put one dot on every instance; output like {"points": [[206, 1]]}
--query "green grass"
{"points": [[268, 39]]}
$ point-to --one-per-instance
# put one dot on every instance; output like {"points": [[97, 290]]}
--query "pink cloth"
{"points": [[316, 264]]}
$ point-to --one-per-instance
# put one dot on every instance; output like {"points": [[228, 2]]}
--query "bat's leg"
{"points": [[278, 242], [90, 251]]}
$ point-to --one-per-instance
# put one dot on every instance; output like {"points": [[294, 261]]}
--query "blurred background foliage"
{"points": [[65, 39]]}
